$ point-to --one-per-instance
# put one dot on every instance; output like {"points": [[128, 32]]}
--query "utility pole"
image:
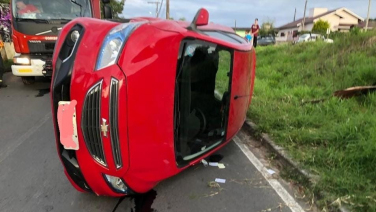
{"points": [[157, 4], [295, 14], [369, 9], [305, 8], [167, 9]]}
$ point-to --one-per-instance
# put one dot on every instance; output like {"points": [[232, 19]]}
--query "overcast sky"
{"points": [[244, 11]]}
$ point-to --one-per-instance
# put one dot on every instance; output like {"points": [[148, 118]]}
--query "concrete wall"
{"points": [[308, 27], [317, 11], [347, 18], [333, 20]]}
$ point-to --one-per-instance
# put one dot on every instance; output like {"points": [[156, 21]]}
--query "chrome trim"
{"points": [[89, 146], [113, 121]]}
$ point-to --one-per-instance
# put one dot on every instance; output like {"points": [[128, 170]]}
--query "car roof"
{"points": [[211, 32]]}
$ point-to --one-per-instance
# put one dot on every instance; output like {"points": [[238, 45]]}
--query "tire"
{"points": [[28, 80]]}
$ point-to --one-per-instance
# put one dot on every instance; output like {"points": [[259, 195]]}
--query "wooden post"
{"points": [[305, 8]]}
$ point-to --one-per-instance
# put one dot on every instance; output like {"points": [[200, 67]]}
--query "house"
{"points": [[371, 25], [341, 19]]}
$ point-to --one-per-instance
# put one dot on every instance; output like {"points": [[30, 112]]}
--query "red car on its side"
{"points": [[135, 103]]}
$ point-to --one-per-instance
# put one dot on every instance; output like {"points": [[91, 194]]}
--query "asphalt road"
{"points": [[32, 178]]}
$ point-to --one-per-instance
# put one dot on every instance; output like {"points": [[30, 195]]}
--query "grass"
{"points": [[335, 139]]}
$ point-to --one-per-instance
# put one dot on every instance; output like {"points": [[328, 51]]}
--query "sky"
{"points": [[225, 12]]}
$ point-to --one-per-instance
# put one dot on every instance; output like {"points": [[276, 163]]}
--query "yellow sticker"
{"points": [[25, 70]]}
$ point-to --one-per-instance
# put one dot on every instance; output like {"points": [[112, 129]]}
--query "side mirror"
{"points": [[107, 12], [201, 19], [105, 1]]}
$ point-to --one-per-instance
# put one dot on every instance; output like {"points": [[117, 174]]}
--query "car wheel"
{"points": [[28, 80]]}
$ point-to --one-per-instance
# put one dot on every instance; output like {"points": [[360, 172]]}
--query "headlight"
{"points": [[113, 44], [75, 35], [21, 60], [116, 183]]}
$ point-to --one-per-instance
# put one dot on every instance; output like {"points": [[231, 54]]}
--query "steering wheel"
{"points": [[202, 118]]}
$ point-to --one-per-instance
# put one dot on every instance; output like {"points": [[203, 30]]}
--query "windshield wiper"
{"points": [[75, 2], [39, 21], [62, 20]]}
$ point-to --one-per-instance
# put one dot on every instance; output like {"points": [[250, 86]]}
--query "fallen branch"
{"points": [[354, 91]]}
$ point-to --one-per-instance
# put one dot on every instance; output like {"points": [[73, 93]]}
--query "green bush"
{"points": [[321, 27]]}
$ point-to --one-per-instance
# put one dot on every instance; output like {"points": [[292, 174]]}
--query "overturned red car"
{"points": [[138, 102]]}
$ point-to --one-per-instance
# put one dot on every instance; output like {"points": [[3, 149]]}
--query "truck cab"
{"points": [[36, 25]]}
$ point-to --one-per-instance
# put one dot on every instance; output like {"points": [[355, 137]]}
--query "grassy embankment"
{"points": [[335, 139]]}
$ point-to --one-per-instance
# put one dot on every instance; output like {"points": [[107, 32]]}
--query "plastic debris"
{"points": [[204, 162], [215, 164], [271, 172], [218, 180], [221, 166]]}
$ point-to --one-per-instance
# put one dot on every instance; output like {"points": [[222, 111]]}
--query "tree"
{"points": [[321, 26], [182, 19], [267, 28], [117, 7], [5, 20]]}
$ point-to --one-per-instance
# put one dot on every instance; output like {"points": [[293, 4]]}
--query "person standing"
{"points": [[2, 70], [255, 30], [247, 36]]}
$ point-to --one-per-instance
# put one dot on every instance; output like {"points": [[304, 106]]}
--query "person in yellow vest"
{"points": [[2, 68]]}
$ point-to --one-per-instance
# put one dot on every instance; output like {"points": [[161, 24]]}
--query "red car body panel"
{"points": [[146, 71], [240, 94]]}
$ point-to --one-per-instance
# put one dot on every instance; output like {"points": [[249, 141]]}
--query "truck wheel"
{"points": [[28, 80]]}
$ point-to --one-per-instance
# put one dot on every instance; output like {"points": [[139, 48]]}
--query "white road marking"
{"points": [[281, 191], [5, 152]]}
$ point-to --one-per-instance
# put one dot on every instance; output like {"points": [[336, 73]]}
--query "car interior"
{"points": [[201, 111]]}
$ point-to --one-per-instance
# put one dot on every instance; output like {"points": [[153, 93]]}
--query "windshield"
{"points": [[51, 9], [304, 36]]}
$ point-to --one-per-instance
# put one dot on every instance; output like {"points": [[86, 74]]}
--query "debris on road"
{"points": [[271, 172], [215, 164], [213, 184], [204, 162], [221, 166], [218, 180]]}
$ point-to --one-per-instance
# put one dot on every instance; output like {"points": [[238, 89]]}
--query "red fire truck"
{"points": [[35, 28]]}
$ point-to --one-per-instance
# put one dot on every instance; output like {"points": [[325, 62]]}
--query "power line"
{"points": [[157, 4], [160, 8]]}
